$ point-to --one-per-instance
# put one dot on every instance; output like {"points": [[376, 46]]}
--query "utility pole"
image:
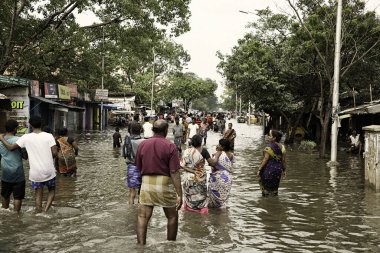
{"points": [[101, 102], [240, 107], [335, 102], [151, 99], [236, 101]]}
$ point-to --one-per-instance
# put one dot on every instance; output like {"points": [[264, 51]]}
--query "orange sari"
{"points": [[66, 156]]}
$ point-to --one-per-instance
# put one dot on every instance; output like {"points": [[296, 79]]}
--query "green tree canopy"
{"points": [[187, 86], [285, 65], [43, 40]]}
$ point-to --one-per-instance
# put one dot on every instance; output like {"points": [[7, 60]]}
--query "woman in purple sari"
{"points": [[221, 175], [273, 165]]}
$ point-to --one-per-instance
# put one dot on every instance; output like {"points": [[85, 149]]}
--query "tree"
{"points": [[314, 33], [286, 66], [187, 86], [42, 39]]}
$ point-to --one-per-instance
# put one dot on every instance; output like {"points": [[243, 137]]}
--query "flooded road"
{"points": [[318, 209]]}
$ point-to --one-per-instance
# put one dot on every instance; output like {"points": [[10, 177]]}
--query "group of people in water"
{"points": [[161, 172], [154, 166], [47, 156]]}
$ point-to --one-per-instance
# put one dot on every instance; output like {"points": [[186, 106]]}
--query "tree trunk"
{"points": [[290, 138], [325, 130]]}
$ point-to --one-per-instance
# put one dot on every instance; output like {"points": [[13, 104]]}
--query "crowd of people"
{"points": [[170, 174], [159, 172]]}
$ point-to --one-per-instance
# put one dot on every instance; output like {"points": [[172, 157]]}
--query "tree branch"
{"points": [[361, 57], [312, 41]]}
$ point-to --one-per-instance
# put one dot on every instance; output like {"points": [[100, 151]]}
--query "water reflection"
{"points": [[318, 209]]}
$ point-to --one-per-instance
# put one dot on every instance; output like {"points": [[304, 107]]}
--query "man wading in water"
{"points": [[157, 159], [41, 148]]}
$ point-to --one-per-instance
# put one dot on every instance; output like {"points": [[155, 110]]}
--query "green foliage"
{"points": [[206, 103], [187, 86], [42, 40], [286, 64]]}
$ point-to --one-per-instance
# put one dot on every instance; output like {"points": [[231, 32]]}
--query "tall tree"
{"points": [[187, 86], [287, 63], [42, 39]]}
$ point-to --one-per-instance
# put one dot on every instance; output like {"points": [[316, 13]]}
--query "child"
{"points": [[116, 138]]}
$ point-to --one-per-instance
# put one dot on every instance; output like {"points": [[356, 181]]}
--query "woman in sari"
{"points": [[221, 176], [194, 176], [273, 165], [67, 151]]}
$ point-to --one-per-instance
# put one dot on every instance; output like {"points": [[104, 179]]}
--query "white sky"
{"points": [[216, 25]]}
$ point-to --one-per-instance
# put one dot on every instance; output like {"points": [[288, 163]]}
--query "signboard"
{"points": [[73, 90], [20, 106], [9, 81], [63, 92], [51, 90], [35, 88], [101, 94]]}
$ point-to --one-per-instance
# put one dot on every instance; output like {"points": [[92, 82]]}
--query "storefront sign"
{"points": [[101, 94], [9, 81], [63, 92], [20, 106], [35, 88], [73, 90], [51, 90]]}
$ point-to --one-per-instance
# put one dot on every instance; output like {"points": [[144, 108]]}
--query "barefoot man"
{"points": [[157, 159]]}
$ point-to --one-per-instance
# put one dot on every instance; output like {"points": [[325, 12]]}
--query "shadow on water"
{"points": [[318, 209]]}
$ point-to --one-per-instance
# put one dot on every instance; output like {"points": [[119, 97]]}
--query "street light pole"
{"points": [[236, 101], [151, 99], [335, 102], [101, 102]]}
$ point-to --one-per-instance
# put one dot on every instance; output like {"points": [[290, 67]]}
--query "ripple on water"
{"points": [[318, 209]]}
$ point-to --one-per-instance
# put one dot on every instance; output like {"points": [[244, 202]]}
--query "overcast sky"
{"points": [[216, 25]]}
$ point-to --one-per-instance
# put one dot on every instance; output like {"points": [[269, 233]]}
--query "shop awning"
{"points": [[372, 108], [55, 103]]}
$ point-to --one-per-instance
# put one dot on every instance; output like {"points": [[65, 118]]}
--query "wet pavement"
{"points": [[318, 209]]}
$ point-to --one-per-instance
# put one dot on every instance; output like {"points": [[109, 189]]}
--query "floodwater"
{"points": [[318, 209]]}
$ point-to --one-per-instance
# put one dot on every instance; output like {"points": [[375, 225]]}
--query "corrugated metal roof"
{"points": [[372, 108]]}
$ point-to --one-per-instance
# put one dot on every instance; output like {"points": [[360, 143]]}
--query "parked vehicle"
{"points": [[241, 119]]}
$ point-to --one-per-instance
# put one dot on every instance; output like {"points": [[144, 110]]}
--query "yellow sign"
{"points": [[63, 92], [17, 104]]}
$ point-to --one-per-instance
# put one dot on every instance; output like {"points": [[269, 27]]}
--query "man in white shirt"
{"points": [[355, 145], [41, 148], [147, 128], [193, 129]]}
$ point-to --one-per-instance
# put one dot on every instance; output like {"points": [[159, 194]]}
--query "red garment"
{"points": [[157, 156]]}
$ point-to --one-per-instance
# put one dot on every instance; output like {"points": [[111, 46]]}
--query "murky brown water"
{"points": [[318, 209]]}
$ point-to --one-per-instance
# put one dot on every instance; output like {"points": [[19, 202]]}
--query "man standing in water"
{"points": [[157, 159], [178, 134], [41, 148], [13, 178], [230, 134]]}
